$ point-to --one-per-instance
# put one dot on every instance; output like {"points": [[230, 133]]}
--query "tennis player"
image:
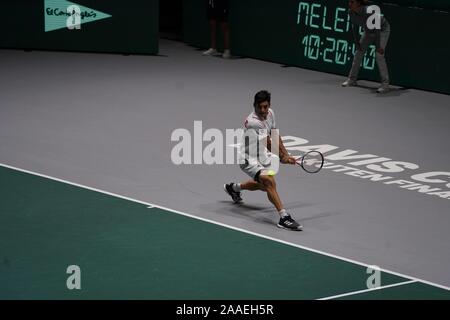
{"points": [[258, 127]]}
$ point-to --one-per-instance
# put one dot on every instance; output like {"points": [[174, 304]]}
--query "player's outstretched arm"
{"points": [[285, 157]]}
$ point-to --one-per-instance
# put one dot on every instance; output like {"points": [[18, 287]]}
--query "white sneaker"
{"points": [[210, 52], [226, 54], [349, 83], [383, 89]]}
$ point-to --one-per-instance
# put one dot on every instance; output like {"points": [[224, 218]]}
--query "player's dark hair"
{"points": [[261, 96], [362, 2]]}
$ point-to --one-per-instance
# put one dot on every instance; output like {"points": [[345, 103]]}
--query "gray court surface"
{"points": [[105, 121]]}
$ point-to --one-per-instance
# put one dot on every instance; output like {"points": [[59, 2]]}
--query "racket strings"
{"points": [[312, 161]]}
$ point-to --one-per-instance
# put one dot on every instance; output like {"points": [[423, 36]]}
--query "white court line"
{"points": [[225, 225], [368, 290]]}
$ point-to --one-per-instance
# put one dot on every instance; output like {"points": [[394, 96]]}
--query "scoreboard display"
{"points": [[317, 34], [324, 33], [114, 26]]}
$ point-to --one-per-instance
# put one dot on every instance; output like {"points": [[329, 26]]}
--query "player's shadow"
{"points": [[219, 55], [335, 82], [257, 213], [393, 92], [318, 216], [233, 57]]}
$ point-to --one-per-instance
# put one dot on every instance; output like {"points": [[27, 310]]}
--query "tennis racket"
{"points": [[311, 162]]}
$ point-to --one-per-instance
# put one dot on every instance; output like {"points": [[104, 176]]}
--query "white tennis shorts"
{"points": [[254, 168]]}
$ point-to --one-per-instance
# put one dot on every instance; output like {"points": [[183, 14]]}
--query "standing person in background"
{"points": [[358, 12], [217, 12]]}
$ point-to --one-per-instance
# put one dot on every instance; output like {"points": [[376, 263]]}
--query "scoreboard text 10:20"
{"points": [[322, 38]]}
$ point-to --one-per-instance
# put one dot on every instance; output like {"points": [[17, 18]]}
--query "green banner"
{"points": [[81, 25], [61, 14]]}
